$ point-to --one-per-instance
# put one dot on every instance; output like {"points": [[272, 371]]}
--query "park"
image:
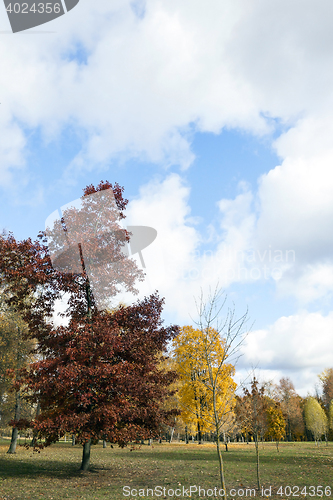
{"points": [[53, 473], [150, 410]]}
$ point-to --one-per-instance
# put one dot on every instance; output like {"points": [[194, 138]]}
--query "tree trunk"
{"points": [[257, 455], [34, 434], [104, 443], [86, 456], [13, 442], [73, 439], [171, 435], [220, 464], [199, 433], [186, 436], [277, 445], [289, 429]]}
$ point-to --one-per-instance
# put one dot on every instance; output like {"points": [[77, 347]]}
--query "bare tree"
{"points": [[230, 332]]}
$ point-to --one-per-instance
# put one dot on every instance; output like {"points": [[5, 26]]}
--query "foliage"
{"points": [[253, 416], [330, 415], [99, 375], [89, 263], [315, 418], [101, 380], [326, 379], [15, 353], [276, 423], [195, 396], [290, 403]]}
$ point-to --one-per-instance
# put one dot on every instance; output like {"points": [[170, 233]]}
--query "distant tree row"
{"points": [[261, 412]]}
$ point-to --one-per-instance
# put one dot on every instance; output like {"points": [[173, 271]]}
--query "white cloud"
{"points": [[298, 346], [143, 83], [145, 79]]}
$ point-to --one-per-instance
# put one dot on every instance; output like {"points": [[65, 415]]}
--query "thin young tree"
{"points": [[228, 332], [254, 406]]}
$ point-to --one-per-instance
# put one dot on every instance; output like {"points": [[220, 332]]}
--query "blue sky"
{"points": [[218, 123]]}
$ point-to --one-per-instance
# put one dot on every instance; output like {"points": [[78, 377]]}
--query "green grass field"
{"points": [[53, 473]]}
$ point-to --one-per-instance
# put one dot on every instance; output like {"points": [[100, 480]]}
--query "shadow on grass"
{"points": [[47, 468]]}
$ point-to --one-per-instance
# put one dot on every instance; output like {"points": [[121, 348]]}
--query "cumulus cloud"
{"points": [[299, 346], [133, 84]]}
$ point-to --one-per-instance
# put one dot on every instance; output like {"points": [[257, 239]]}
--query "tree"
{"points": [[290, 403], [252, 414], [315, 418], [326, 378], [103, 381], [83, 257], [15, 353], [194, 395], [218, 348], [276, 423], [330, 415]]}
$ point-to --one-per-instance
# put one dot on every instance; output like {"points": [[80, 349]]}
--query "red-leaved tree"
{"points": [[99, 377]]}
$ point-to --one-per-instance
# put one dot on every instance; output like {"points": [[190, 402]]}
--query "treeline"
{"points": [[257, 412]]}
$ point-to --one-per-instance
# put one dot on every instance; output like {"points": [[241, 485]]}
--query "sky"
{"points": [[217, 118]]}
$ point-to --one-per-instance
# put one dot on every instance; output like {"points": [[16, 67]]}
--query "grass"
{"points": [[53, 474]]}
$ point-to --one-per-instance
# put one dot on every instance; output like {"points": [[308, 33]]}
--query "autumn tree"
{"points": [[291, 408], [15, 353], [253, 415], [326, 379], [330, 415], [218, 348], [276, 423], [190, 362], [104, 381], [315, 418], [98, 375]]}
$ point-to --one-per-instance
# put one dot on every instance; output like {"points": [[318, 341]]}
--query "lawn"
{"points": [[53, 473]]}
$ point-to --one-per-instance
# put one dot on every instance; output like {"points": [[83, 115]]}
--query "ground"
{"points": [[53, 473]]}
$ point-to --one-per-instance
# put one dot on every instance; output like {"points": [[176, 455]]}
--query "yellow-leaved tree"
{"points": [[205, 363], [315, 418], [194, 395], [276, 423]]}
